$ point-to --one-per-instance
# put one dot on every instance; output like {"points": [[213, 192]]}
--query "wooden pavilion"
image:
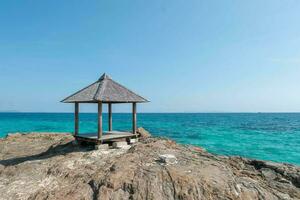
{"points": [[104, 91]]}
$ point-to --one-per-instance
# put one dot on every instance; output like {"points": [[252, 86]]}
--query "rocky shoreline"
{"points": [[52, 166]]}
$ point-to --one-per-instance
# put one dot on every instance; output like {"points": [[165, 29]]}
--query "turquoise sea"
{"points": [[267, 136]]}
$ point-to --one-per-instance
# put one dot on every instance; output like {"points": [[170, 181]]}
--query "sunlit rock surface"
{"points": [[50, 166]]}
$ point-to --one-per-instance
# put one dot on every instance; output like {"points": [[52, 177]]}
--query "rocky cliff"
{"points": [[51, 166]]}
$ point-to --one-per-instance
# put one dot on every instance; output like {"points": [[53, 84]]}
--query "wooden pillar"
{"points": [[134, 118], [109, 117], [99, 120], [76, 119]]}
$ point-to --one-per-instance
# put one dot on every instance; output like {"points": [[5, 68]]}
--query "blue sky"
{"points": [[184, 56]]}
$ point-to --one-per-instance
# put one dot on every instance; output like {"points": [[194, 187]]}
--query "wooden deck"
{"points": [[106, 137]]}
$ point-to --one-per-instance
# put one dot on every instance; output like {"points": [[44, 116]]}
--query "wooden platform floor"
{"points": [[107, 136]]}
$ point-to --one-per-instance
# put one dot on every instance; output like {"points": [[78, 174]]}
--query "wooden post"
{"points": [[76, 119], [134, 118], [99, 120], [109, 117]]}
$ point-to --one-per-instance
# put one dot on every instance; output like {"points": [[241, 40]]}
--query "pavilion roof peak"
{"points": [[105, 90], [104, 76]]}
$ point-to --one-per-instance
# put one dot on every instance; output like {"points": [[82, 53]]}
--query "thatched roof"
{"points": [[105, 90]]}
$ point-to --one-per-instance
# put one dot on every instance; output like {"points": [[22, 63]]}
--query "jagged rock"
{"points": [[13, 135], [134, 140], [101, 147], [121, 145], [48, 166], [168, 159], [143, 133], [269, 173]]}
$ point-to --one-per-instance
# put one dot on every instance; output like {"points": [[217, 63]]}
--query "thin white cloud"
{"points": [[286, 60]]}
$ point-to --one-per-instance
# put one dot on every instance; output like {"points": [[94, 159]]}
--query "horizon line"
{"points": [[212, 112]]}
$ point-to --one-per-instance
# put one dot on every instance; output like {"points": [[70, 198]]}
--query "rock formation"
{"points": [[143, 133], [50, 166]]}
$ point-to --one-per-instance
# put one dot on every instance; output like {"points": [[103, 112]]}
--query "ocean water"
{"points": [[266, 136]]}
